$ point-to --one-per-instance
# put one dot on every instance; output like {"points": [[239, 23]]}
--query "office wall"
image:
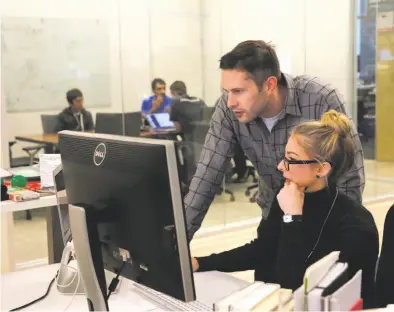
{"points": [[312, 37], [177, 39], [147, 39]]}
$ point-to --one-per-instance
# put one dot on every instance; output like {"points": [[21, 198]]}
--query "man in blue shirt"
{"points": [[159, 102]]}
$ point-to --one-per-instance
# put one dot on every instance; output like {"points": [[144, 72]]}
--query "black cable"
{"points": [[43, 296], [115, 281], [38, 299]]}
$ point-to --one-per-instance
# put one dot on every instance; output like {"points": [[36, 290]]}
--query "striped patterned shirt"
{"points": [[307, 99]]}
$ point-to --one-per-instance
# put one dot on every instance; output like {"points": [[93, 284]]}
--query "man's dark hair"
{"points": [[255, 57], [157, 81], [178, 87], [72, 94]]}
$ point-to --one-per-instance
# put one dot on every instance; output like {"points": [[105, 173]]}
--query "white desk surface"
{"points": [[11, 206], [21, 287]]}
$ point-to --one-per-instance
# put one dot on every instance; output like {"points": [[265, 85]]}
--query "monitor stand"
{"points": [[69, 282]]}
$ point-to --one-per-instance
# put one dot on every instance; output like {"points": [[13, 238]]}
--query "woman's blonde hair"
{"points": [[328, 140]]}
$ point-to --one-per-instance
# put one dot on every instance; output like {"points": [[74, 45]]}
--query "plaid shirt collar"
{"points": [[292, 106]]}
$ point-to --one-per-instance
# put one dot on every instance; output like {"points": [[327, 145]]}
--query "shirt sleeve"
{"points": [[90, 122], [60, 124], [174, 113], [359, 248], [353, 182], [214, 158], [145, 106], [259, 253]]}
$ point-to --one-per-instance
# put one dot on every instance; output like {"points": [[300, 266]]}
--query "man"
{"points": [[75, 117], [159, 102], [185, 109], [259, 107]]}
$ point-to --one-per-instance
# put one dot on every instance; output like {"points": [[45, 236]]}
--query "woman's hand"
{"points": [[195, 264], [291, 199]]}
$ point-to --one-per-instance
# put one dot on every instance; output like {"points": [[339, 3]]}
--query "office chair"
{"points": [[112, 123], [384, 280], [17, 161], [207, 112], [253, 198], [48, 126]]}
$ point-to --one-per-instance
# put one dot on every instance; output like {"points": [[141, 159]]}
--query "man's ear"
{"points": [[271, 84]]}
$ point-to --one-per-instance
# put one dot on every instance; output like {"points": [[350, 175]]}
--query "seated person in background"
{"points": [[309, 217], [75, 117], [159, 102], [185, 109]]}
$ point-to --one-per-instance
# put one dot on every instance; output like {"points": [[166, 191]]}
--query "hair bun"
{"points": [[338, 121]]}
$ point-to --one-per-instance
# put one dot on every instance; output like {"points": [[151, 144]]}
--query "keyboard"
{"points": [[170, 303]]}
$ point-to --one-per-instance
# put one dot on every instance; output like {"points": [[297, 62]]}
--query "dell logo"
{"points": [[99, 154]]}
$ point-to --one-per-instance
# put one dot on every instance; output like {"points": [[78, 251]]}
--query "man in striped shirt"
{"points": [[259, 107]]}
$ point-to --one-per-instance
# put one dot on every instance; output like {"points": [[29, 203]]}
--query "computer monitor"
{"points": [[119, 123], [126, 201], [62, 205]]}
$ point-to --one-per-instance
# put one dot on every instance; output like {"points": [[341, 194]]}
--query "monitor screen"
{"points": [[160, 121], [62, 206], [130, 190]]}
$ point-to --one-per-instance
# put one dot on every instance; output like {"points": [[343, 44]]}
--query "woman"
{"points": [[309, 218]]}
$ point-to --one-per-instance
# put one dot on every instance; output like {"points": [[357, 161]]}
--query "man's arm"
{"points": [[60, 124], [215, 156], [354, 181], [175, 115], [145, 107], [90, 122]]}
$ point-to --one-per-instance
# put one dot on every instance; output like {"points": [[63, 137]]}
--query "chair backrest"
{"points": [[133, 123], [112, 123], [109, 123], [48, 123], [193, 145], [385, 271], [207, 112]]}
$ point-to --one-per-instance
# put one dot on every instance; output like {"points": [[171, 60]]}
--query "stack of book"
{"points": [[257, 296], [327, 287]]}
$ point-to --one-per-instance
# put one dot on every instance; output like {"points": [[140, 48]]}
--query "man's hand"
{"points": [[291, 198], [195, 264], [157, 101]]}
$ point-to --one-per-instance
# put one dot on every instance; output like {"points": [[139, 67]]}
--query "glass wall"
{"points": [[112, 50], [375, 26]]}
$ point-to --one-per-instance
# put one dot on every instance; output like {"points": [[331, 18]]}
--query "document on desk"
{"points": [[48, 163], [5, 173]]}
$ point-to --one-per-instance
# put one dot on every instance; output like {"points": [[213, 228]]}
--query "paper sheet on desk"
{"points": [[129, 300], [48, 163]]}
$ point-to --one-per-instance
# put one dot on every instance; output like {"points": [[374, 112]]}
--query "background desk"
{"points": [[210, 286], [51, 139], [7, 228]]}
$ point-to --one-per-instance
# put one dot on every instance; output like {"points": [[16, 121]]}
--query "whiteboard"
{"points": [[44, 57]]}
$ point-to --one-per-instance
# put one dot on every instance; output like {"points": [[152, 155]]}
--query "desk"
{"points": [[210, 286], [7, 227], [51, 138]]}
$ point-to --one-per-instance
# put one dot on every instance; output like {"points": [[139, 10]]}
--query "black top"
{"points": [[186, 110], [280, 252], [70, 120], [385, 272]]}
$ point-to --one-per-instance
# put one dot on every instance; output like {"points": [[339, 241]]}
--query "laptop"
{"points": [[160, 122]]}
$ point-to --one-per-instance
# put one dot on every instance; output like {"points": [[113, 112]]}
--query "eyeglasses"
{"points": [[287, 162]]}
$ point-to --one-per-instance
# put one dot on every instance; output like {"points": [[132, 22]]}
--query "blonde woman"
{"points": [[310, 217]]}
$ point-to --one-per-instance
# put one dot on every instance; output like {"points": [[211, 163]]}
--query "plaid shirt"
{"points": [[308, 98]]}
